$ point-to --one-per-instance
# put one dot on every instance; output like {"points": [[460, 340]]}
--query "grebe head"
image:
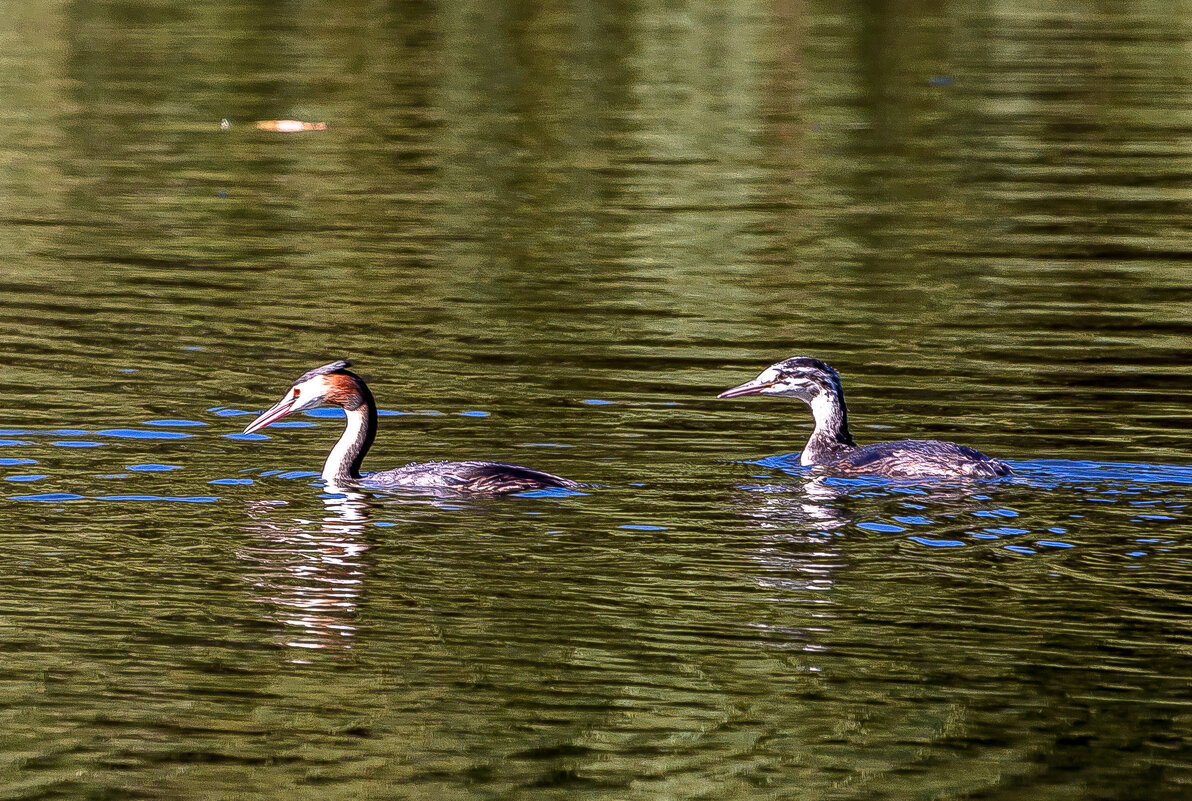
{"points": [[329, 385], [801, 377]]}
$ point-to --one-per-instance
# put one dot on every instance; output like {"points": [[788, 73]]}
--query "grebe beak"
{"points": [[279, 410], [748, 388]]}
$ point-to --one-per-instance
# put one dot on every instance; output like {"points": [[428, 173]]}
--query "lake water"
{"points": [[550, 234]]}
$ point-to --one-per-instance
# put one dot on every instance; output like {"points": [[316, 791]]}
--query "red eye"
{"points": [[295, 392]]}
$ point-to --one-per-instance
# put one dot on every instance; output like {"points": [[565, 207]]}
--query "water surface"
{"points": [[550, 236]]}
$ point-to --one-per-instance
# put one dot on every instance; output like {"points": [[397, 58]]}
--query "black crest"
{"points": [[326, 369], [803, 364], [821, 373]]}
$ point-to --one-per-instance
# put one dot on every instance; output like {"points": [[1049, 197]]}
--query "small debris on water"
{"points": [[290, 126]]}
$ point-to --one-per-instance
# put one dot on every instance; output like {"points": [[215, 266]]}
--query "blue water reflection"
{"points": [[1043, 473], [50, 497], [137, 433], [950, 513], [934, 543]]}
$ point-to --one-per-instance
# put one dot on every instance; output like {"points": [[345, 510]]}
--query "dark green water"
{"points": [[550, 234]]}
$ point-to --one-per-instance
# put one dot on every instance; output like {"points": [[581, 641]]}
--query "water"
{"points": [[551, 235]]}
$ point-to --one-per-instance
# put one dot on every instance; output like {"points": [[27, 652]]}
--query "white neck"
{"points": [[822, 409], [338, 466]]}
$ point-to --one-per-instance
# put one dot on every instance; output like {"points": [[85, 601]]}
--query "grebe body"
{"points": [[831, 446], [333, 385]]}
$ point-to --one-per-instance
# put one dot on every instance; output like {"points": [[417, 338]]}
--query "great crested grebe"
{"points": [[333, 385], [831, 446]]}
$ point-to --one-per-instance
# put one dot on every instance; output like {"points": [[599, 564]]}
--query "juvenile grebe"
{"points": [[831, 445], [333, 385]]}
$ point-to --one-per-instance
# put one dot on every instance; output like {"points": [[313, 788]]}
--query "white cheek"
{"points": [[310, 402], [310, 396], [787, 389]]}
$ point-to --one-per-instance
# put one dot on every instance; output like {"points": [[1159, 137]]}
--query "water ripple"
{"points": [[171, 498]]}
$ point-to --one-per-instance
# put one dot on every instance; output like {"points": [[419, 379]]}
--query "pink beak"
{"points": [[279, 410], [748, 388]]}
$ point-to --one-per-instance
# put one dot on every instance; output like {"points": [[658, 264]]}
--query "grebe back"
{"points": [[333, 385], [831, 445]]}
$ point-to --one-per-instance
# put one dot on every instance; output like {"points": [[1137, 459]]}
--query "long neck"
{"points": [[831, 437], [343, 463]]}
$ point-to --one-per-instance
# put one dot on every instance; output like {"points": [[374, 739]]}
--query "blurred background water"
{"points": [[549, 233]]}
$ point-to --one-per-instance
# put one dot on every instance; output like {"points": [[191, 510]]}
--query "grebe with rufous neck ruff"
{"points": [[333, 385], [831, 446]]}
